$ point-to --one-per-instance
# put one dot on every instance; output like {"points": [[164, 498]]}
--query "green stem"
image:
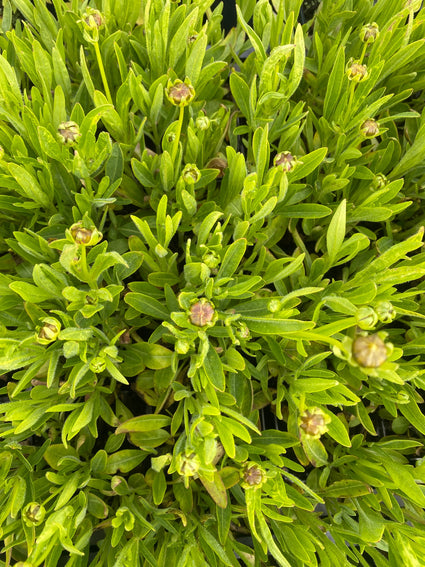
{"points": [[176, 142], [102, 72], [363, 53]]}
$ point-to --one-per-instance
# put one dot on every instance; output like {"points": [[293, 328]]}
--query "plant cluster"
{"points": [[211, 287]]}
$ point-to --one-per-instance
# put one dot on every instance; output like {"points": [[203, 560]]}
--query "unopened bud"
{"points": [[33, 514], [181, 346], [366, 318], [69, 133], [369, 32], [202, 313], [49, 332], [357, 72], [380, 181], [285, 160], [253, 476], [203, 122], [218, 163], [188, 464], [369, 351], [191, 174], [370, 128], [97, 364], [385, 311], [180, 93], [92, 19], [242, 331], [313, 422], [85, 236]]}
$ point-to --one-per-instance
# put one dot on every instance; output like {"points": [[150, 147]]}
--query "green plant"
{"points": [[211, 284]]}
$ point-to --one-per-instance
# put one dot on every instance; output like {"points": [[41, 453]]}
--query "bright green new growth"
{"points": [[211, 284]]}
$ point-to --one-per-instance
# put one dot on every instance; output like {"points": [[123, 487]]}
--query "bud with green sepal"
{"points": [[370, 128], [357, 72], [366, 318], [69, 133], [313, 423], [84, 236], [49, 332], [180, 93], [285, 161], [191, 174], [385, 311], [202, 313], [369, 33], [33, 514], [253, 476]]}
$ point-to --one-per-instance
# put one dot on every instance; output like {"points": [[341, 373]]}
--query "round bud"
{"points": [[253, 476], [92, 19], [242, 331], [85, 236], [380, 181], [313, 422], [369, 32], [369, 351], [191, 174], [370, 128], [69, 133], [202, 313], [188, 464], [181, 346], [385, 311], [180, 93], [49, 332], [366, 318], [33, 514], [274, 305], [97, 364], [285, 160], [203, 122], [357, 72]]}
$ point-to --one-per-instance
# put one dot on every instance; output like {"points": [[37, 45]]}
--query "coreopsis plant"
{"points": [[211, 283]]}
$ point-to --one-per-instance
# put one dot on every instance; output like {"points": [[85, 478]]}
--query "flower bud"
{"points": [[379, 181], [33, 514], [313, 422], [357, 72], [180, 93], [181, 346], [366, 318], [202, 313], [97, 364], [85, 236], [369, 32], [370, 128], [49, 332], [385, 311], [274, 305], [188, 464], [92, 19], [253, 476], [211, 259], [69, 133], [369, 351], [203, 122], [242, 331], [218, 163], [191, 174], [285, 160]]}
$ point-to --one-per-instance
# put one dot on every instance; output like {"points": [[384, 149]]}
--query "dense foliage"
{"points": [[211, 287]]}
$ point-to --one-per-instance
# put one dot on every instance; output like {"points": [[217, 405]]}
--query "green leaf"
{"points": [[334, 86], [125, 460], [336, 232], [309, 163], [404, 480], [147, 305], [30, 292], [281, 327], [213, 368], [303, 211], [215, 489], [142, 423], [346, 488], [29, 186], [232, 258]]}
